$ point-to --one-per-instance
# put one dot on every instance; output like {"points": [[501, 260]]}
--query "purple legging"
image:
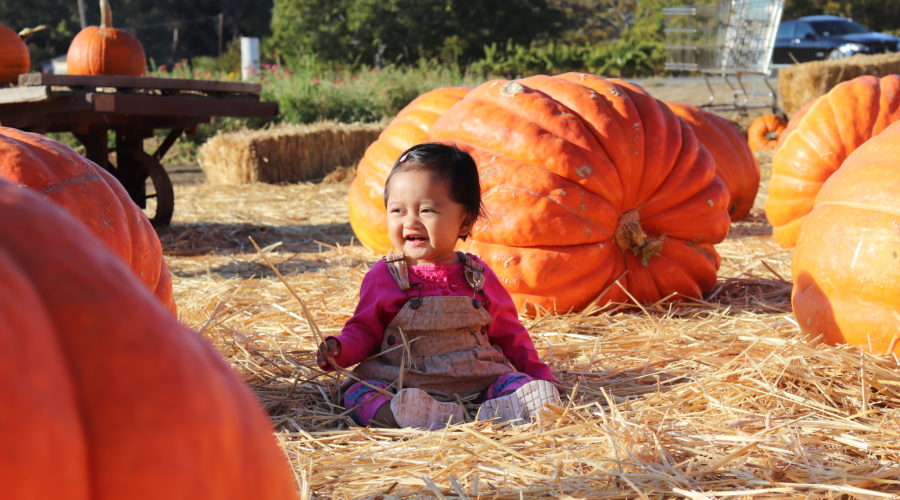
{"points": [[365, 401]]}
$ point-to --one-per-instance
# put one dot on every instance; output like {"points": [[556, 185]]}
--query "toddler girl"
{"points": [[434, 326]]}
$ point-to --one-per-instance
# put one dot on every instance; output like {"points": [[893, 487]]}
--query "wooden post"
{"points": [[82, 14], [174, 45], [220, 31]]}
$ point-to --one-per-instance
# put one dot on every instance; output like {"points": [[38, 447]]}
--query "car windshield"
{"points": [[831, 28]]}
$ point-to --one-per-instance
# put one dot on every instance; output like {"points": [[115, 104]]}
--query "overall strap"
{"points": [[474, 272], [396, 263]]}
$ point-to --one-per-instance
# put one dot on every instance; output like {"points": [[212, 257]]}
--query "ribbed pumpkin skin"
{"points": [[793, 121], [105, 51], [14, 57], [836, 124], [586, 181], [105, 394], [846, 265], [368, 217], [735, 163], [93, 196], [764, 132]]}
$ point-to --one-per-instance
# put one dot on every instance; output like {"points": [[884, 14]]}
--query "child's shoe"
{"points": [[416, 408], [521, 405]]}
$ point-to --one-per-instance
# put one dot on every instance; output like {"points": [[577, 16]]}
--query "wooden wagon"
{"points": [[132, 109]]}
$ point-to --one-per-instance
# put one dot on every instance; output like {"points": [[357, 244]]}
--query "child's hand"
{"points": [[328, 350]]}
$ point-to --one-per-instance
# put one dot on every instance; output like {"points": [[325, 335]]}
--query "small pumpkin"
{"points": [[14, 57], [835, 124], [105, 50], [765, 131], [735, 163], [588, 182], [846, 265], [368, 217], [103, 391], [93, 196]]}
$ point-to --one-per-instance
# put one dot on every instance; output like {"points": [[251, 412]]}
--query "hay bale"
{"points": [[287, 153], [799, 83]]}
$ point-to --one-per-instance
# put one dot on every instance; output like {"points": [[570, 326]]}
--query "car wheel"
{"points": [[836, 54]]}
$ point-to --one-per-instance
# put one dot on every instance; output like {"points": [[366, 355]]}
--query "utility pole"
{"points": [[174, 45], [220, 28], [82, 14]]}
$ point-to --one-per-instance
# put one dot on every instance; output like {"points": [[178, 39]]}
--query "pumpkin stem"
{"points": [[105, 14], [632, 238], [27, 32]]}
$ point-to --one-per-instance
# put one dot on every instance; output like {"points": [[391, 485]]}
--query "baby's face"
{"points": [[423, 220]]}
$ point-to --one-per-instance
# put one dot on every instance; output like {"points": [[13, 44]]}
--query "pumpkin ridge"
{"points": [[518, 114], [607, 109], [891, 210], [488, 185], [687, 161], [555, 200], [56, 186]]}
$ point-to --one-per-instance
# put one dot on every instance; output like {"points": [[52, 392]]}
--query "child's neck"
{"points": [[451, 260]]}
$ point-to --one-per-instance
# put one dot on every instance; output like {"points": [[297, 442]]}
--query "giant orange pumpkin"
{"points": [[846, 265], [104, 50], [734, 160], [14, 58], [410, 127], [93, 196], [588, 182], [835, 124], [764, 132], [105, 395], [793, 121]]}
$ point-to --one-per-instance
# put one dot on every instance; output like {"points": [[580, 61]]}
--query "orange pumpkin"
{"points": [[793, 121], [846, 265], [587, 182], [835, 124], [93, 196], [14, 57], [105, 50], [410, 127], [106, 395], [734, 161], [765, 131]]}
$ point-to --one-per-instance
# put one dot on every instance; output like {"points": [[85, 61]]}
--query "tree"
{"points": [[402, 31]]}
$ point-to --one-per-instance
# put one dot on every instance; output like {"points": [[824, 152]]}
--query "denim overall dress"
{"points": [[438, 344]]}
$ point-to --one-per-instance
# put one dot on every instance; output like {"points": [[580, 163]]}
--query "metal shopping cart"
{"points": [[728, 38]]}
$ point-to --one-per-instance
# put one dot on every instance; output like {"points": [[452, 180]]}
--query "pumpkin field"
{"points": [[719, 396], [716, 288], [722, 320]]}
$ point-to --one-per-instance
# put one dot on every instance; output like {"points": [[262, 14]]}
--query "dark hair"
{"points": [[449, 164]]}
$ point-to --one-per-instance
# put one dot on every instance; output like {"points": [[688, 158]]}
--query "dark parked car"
{"points": [[812, 38]]}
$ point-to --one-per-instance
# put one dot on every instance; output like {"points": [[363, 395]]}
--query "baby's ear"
{"points": [[466, 227]]}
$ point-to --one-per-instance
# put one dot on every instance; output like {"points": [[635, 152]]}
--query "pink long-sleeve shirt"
{"points": [[380, 299]]}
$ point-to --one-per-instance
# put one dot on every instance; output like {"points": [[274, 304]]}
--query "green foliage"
{"points": [[623, 58], [368, 94], [629, 57], [382, 32]]}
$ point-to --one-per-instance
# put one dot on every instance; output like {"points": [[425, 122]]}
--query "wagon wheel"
{"points": [[165, 196]]}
